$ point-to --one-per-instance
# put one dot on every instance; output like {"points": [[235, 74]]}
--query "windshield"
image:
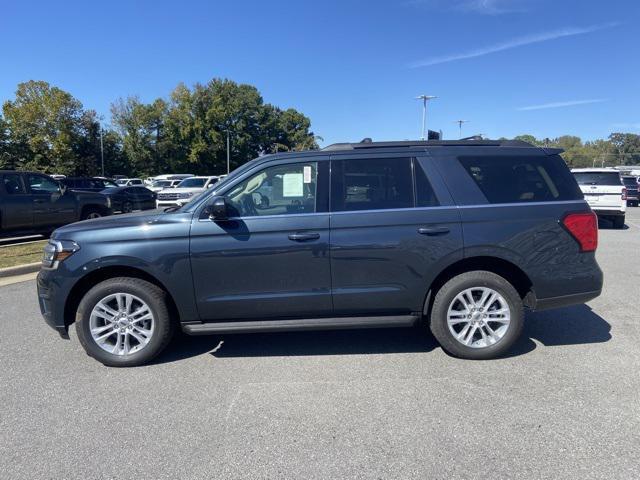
{"points": [[122, 181], [630, 181], [192, 183], [161, 183], [109, 190], [598, 178]]}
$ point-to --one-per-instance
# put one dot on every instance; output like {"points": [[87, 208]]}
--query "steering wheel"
{"points": [[249, 206]]}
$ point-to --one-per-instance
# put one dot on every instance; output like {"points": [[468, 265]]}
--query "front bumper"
{"points": [[52, 311]]}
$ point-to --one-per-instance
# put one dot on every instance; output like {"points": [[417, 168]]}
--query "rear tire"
{"points": [[108, 338], [127, 207], [90, 213], [488, 333], [618, 222]]}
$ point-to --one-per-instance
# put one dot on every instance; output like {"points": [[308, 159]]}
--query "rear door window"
{"points": [[522, 179], [371, 184]]}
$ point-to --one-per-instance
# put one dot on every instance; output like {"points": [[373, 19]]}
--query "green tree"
{"points": [[626, 147], [45, 127]]}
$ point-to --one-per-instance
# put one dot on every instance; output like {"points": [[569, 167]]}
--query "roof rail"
{"points": [[428, 143]]}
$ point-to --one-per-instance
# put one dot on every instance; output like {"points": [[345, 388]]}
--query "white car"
{"points": [[129, 182], [185, 191], [604, 192], [159, 185]]}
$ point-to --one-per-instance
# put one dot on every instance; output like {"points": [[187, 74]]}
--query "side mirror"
{"points": [[63, 188], [218, 209]]}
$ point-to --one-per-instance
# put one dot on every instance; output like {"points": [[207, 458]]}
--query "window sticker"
{"points": [[307, 173], [292, 184]]}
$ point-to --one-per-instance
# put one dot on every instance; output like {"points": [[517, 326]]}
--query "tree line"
{"points": [[45, 128], [618, 149]]}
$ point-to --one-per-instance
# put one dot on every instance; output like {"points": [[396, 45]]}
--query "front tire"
{"points": [[477, 315], [124, 322]]}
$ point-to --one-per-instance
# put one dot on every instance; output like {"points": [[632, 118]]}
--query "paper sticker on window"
{"points": [[307, 173], [292, 184]]}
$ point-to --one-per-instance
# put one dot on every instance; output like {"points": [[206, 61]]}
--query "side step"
{"points": [[300, 324]]}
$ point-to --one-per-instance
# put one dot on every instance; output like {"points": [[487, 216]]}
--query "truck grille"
{"points": [[167, 196]]}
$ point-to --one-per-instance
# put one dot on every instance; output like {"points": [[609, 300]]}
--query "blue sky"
{"points": [[354, 67]]}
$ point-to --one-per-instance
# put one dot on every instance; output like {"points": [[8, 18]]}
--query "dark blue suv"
{"points": [[457, 236]]}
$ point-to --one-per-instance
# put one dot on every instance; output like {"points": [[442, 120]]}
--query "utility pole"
{"points": [[460, 122], [425, 99], [228, 154], [101, 150]]}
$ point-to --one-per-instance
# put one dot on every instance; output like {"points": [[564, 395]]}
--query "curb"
{"points": [[19, 270]]}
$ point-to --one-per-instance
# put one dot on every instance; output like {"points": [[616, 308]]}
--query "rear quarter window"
{"points": [[522, 179]]}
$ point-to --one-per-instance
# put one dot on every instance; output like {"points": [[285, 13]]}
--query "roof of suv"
{"points": [[428, 143]]}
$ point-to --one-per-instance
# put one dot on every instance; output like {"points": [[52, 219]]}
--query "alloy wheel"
{"points": [[478, 317], [121, 324]]}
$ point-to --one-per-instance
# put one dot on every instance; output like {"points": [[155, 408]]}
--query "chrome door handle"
{"points": [[433, 230], [303, 237]]}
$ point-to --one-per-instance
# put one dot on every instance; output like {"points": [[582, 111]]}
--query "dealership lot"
{"points": [[349, 404]]}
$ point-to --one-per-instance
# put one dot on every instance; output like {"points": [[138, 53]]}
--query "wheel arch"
{"points": [[87, 282], [506, 269]]}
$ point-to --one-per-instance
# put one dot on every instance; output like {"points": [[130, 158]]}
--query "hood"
{"points": [[112, 222], [85, 195]]}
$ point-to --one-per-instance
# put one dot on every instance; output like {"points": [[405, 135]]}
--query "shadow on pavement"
{"points": [[566, 326]]}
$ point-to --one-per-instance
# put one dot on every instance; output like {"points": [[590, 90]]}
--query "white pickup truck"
{"points": [[604, 192]]}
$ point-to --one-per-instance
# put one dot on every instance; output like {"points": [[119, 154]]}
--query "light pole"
{"points": [[460, 122], [425, 99], [101, 150], [228, 154]]}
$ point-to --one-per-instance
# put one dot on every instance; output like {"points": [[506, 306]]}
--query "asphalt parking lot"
{"points": [[348, 404]]}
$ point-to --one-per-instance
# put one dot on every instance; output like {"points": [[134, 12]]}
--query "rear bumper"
{"points": [[608, 212], [565, 300]]}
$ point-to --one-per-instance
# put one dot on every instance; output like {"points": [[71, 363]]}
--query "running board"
{"points": [[300, 324]]}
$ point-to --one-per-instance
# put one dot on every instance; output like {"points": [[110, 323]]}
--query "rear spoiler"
{"points": [[553, 151]]}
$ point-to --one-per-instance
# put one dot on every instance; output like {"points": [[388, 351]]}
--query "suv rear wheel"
{"points": [[477, 315], [124, 322]]}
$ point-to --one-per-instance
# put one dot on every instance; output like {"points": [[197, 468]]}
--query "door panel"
{"points": [[249, 268], [272, 259], [50, 206], [384, 259], [17, 204], [381, 263]]}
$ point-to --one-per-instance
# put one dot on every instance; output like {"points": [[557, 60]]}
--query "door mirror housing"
{"points": [[63, 188], [218, 209]]}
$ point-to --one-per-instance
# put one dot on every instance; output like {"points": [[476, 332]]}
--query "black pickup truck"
{"points": [[31, 201]]}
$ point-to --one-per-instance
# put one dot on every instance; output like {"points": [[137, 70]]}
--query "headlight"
{"points": [[57, 251], [185, 195]]}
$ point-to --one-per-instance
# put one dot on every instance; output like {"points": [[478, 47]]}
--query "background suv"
{"points": [[604, 191], [456, 236], [184, 191], [632, 185]]}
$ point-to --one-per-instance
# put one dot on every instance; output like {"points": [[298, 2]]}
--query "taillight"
{"points": [[624, 193], [584, 228]]}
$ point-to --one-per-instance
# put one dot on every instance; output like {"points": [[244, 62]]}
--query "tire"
{"points": [[618, 222], [159, 324], [484, 346], [91, 212], [127, 207]]}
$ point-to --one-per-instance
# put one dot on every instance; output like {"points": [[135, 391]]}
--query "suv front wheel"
{"points": [[477, 315], [124, 322]]}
